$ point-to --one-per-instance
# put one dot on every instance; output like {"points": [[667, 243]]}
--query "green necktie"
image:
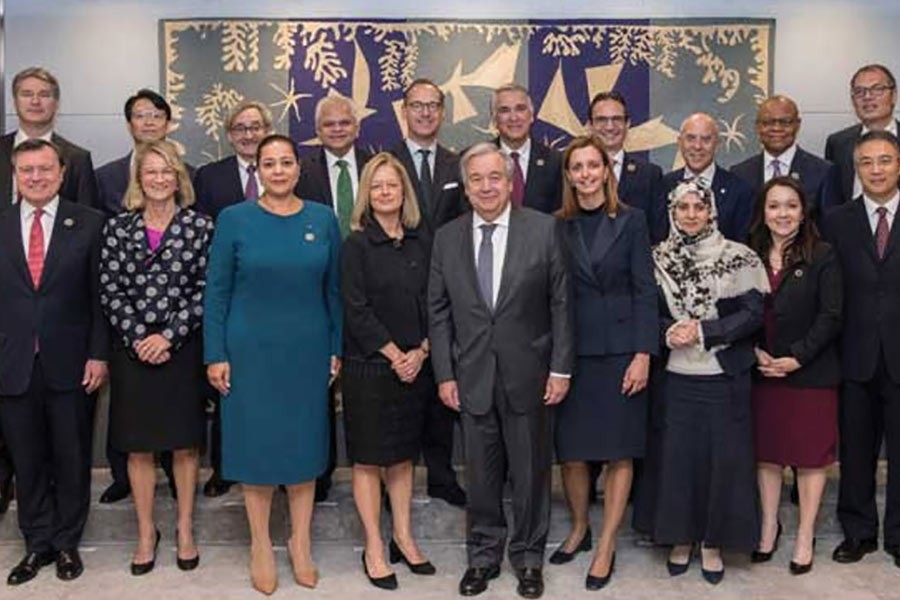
{"points": [[344, 197]]}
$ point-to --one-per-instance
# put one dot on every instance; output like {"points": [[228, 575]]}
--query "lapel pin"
{"points": [[795, 175], [539, 162], [309, 236], [722, 191], [798, 273], [69, 222], [631, 168]]}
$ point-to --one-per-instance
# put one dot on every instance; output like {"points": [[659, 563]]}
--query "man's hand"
{"points": [[556, 390], [449, 394], [95, 374]]}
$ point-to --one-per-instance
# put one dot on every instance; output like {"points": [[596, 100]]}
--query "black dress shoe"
{"points": [[676, 569], [593, 583], [531, 582], [451, 494], [852, 550], [396, 555], [28, 567], [388, 582], [758, 556], [115, 492], [561, 557], [68, 565], [798, 569], [145, 567], [712, 577], [7, 493], [216, 487], [475, 579]]}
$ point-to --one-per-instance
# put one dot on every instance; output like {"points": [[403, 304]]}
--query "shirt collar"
{"points": [[784, 159], [502, 220], [523, 150], [708, 174], [242, 164], [414, 148], [892, 128], [618, 158], [890, 205], [49, 209], [331, 158], [21, 137]]}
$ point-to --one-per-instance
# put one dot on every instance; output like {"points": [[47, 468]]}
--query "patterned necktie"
{"points": [[776, 167], [486, 263], [518, 191], [882, 231], [36, 248], [425, 181], [251, 190], [344, 197]]}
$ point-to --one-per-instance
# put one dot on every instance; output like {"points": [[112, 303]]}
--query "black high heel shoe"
{"points": [[710, 576], [593, 583], [388, 582], [676, 569], [798, 569], [146, 567], [185, 564], [561, 557], [758, 556], [396, 555]]}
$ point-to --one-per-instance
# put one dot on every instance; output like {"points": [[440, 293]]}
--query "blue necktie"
{"points": [[486, 264]]}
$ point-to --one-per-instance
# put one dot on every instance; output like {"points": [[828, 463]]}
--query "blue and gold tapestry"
{"points": [[667, 69]]}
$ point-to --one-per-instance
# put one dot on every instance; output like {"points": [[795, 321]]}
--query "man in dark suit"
{"points": [[697, 142], [777, 126], [873, 91], [52, 357], [637, 179], [434, 171], [502, 344], [148, 116], [36, 95], [865, 235], [537, 177]]}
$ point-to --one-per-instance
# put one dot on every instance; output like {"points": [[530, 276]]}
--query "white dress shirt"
{"points": [[617, 160], [417, 158], [524, 155], [245, 176], [21, 137], [872, 208], [48, 218], [857, 184], [707, 175], [334, 171], [498, 239], [784, 162]]}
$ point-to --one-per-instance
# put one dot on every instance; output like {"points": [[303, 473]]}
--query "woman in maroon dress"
{"points": [[795, 396]]}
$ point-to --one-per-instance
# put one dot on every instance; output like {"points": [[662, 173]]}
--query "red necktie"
{"points": [[36, 248], [881, 232], [518, 191]]}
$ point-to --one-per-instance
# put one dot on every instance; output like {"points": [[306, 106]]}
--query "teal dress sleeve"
{"points": [[219, 287]]}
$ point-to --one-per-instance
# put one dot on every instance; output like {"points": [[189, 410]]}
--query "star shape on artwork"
{"points": [[731, 133], [290, 99]]}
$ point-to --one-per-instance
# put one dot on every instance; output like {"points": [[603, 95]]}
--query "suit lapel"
{"points": [[864, 229], [536, 162], [514, 249], [605, 238], [321, 166], [627, 176], [580, 250], [11, 238], [6, 174], [64, 227], [468, 242], [233, 168]]}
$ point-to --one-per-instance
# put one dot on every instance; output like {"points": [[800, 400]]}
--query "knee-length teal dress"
{"points": [[272, 310]]}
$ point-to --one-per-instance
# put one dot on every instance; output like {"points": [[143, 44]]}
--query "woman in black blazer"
{"points": [[152, 278], [604, 417], [795, 397]]}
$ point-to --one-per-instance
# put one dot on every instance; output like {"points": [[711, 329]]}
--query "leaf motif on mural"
{"points": [[285, 42], [240, 45], [213, 110], [563, 43], [390, 64], [322, 59]]}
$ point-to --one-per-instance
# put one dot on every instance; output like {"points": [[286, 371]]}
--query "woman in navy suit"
{"points": [[605, 416]]}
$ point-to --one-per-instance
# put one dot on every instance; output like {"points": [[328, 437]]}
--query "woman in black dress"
{"points": [[386, 378], [795, 399], [152, 276], [605, 416], [713, 307]]}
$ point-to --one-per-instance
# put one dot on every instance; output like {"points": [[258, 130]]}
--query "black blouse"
{"points": [[384, 285]]}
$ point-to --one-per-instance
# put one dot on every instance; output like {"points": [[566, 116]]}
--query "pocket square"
{"points": [[450, 185]]}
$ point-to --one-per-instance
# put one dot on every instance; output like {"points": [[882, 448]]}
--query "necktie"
{"points": [[776, 168], [425, 181], [881, 232], [486, 264], [36, 248], [251, 190], [344, 197], [518, 191]]}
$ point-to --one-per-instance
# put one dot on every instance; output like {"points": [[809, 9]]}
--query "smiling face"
{"points": [[513, 117], [247, 130], [610, 123], [488, 185], [783, 212], [159, 181], [874, 98], [148, 123], [36, 103], [697, 142], [691, 214], [279, 169], [386, 192], [586, 172], [38, 175], [878, 167], [777, 125], [337, 128], [423, 111]]}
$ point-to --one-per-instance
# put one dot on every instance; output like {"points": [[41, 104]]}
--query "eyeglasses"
{"points": [[875, 91], [776, 122], [149, 115], [255, 129], [419, 107], [30, 95], [613, 120], [883, 161]]}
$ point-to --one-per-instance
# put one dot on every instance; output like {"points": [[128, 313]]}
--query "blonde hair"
{"points": [[134, 195], [362, 210]]}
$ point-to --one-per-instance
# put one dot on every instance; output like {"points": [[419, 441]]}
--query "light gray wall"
{"points": [[103, 50]]}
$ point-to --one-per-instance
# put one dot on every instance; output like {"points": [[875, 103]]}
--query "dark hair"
{"points": [[423, 81], [33, 145], [879, 135], [570, 207], [273, 138], [155, 99], [604, 96], [800, 249], [874, 67]]}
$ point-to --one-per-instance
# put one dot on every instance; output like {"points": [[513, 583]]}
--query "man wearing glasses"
{"points": [[873, 91], [777, 124]]}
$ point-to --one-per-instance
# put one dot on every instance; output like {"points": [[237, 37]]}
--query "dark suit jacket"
{"points": [[544, 178], [78, 184], [819, 179], [871, 293], [638, 187], [734, 203], [448, 198], [112, 183], [218, 185], [615, 292], [64, 314], [807, 307], [839, 150], [527, 335], [314, 182]]}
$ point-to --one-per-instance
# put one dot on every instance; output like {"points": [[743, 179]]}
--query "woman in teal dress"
{"points": [[272, 327]]}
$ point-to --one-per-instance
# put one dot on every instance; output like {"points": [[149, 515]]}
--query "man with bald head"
{"points": [[777, 125], [697, 142]]}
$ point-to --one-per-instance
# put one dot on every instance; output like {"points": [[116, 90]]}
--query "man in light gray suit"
{"points": [[502, 350]]}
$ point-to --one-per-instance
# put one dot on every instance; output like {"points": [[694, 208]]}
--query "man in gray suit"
{"points": [[502, 349]]}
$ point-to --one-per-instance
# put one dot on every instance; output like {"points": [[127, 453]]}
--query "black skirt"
{"points": [[383, 416], [157, 407]]}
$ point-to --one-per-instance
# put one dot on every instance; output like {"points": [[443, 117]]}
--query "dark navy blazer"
{"points": [[638, 187]]}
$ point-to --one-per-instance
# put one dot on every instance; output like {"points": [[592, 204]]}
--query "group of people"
{"points": [[691, 334]]}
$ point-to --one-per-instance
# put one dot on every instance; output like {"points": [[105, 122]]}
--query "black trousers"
{"points": [[49, 437], [869, 411], [521, 445], [437, 444], [6, 466]]}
